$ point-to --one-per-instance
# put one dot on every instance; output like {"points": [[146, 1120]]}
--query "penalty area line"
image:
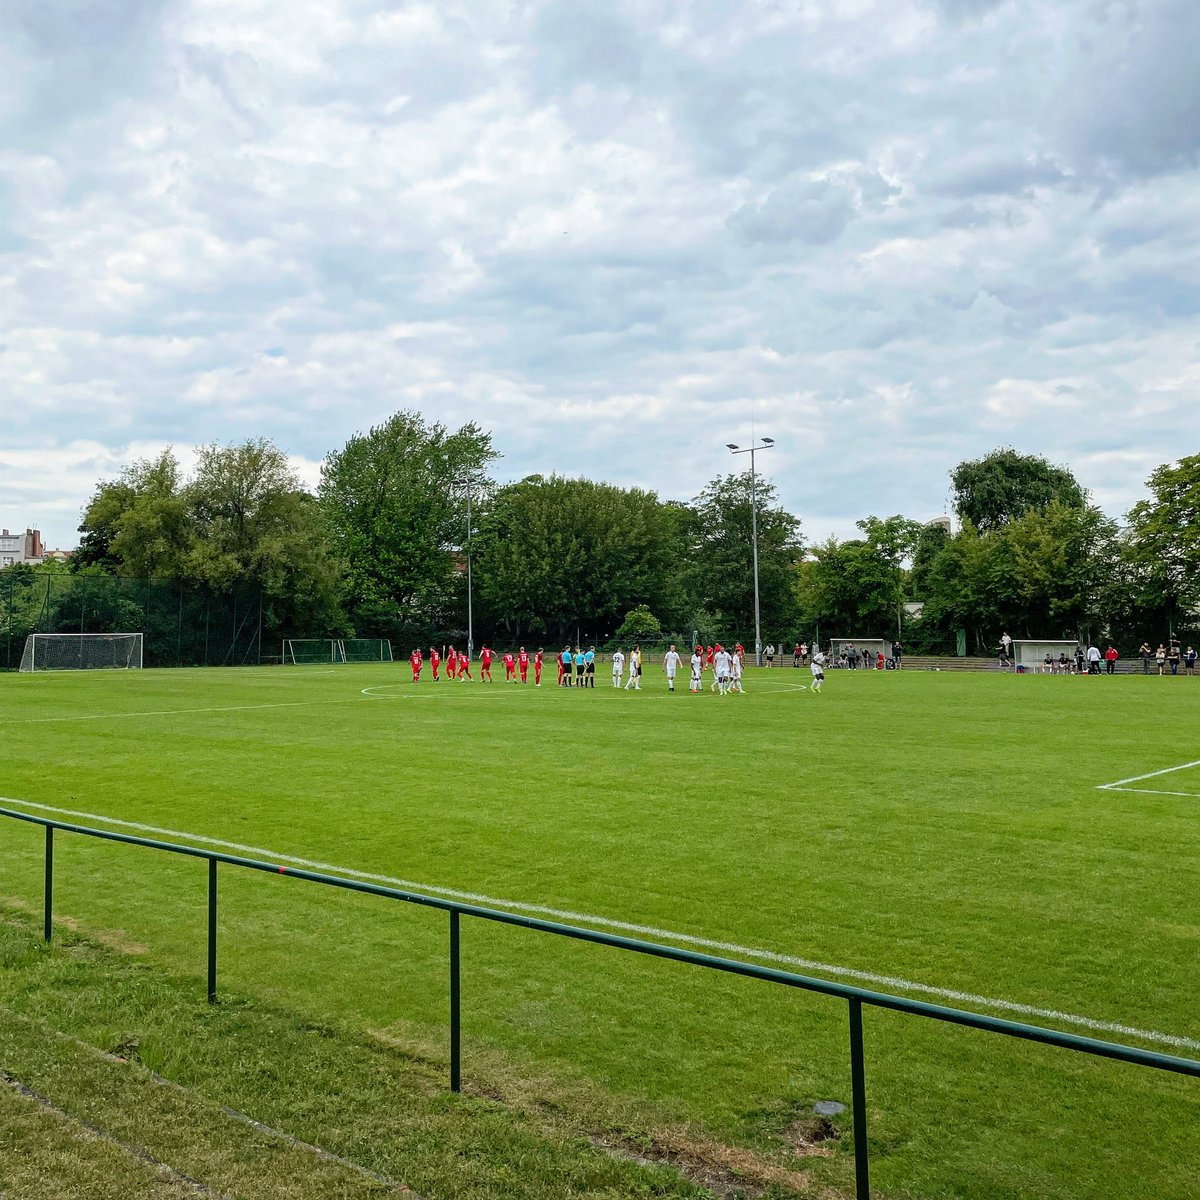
{"points": [[891, 981]]}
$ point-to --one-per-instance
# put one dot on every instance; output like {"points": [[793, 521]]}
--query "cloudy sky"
{"points": [[890, 233]]}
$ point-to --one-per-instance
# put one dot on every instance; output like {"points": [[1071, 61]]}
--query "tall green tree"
{"points": [[398, 517], [556, 553], [723, 562], [1162, 546], [1004, 485]]}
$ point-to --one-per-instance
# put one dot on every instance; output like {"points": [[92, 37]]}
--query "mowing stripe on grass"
{"points": [[790, 960]]}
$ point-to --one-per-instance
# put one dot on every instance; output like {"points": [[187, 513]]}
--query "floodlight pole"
{"points": [[764, 444], [465, 482]]}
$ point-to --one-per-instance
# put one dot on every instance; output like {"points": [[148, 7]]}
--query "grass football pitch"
{"points": [[945, 836]]}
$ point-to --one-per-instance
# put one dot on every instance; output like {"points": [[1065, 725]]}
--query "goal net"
{"points": [[1031, 653], [871, 648], [82, 652], [298, 651]]}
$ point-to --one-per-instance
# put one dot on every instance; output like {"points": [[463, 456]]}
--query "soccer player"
{"points": [[464, 666], [451, 663], [697, 682], [635, 670], [709, 654], [564, 667], [713, 656], [523, 663], [671, 663], [817, 667], [415, 661], [537, 667], [721, 666], [435, 661], [735, 673], [485, 664], [618, 667], [589, 665], [510, 667]]}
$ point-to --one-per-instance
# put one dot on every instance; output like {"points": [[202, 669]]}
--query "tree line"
{"points": [[381, 550]]}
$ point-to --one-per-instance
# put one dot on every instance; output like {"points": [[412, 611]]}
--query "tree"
{"points": [[992, 491], [851, 588], [555, 553], [640, 625], [398, 516], [723, 567], [1163, 543]]}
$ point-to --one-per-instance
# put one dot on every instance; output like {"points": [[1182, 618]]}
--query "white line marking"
{"points": [[1108, 787], [1151, 775], [891, 981]]}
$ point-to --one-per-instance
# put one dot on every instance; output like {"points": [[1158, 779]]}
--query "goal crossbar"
{"points": [[300, 651]]}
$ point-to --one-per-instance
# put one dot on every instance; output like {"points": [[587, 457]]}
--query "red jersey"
{"points": [[464, 663], [523, 659], [708, 654], [415, 659], [435, 659], [508, 661], [485, 657]]}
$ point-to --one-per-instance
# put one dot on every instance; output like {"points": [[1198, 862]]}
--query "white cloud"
{"points": [[890, 232]]}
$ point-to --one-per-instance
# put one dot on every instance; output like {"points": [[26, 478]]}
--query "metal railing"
{"points": [[854, 996]]}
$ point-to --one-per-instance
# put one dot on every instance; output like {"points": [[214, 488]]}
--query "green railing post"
{"points": [[212, 931], [455, 1006], [48, 901], [858, 1087]]}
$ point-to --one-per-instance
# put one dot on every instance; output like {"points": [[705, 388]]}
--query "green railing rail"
{"points": [[856, 997]]}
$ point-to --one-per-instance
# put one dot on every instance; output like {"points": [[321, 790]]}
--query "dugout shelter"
{"points": [[872, 646], [1030, 653]]}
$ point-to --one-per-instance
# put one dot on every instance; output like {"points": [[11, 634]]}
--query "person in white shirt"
{"points": [[618, 667], [635, 670], [697, 670], [1093, 660], [818, 671], [721, 669], [671, 664], [735, 674]]}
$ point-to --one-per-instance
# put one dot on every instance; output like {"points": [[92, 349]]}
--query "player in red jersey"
{"points": [[464, 666], [415, 659], [523, 663], [739, 649], [451, 663], [435, 661], [485, 665], [510, 667], [537, 668], [709, 652]]}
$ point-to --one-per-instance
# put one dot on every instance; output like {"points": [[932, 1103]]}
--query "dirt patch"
{"points": [[114, 939], [810, 1134]]}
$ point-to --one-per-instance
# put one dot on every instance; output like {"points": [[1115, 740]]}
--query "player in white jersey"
{"points": [[818, 671], [697, 671], [735, 674], [635, 670], [618, 667], [671, 664], [721, 667]]}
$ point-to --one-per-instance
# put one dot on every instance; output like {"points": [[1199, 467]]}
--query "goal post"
{"points": [[82, 652], [1030, 653], [314, 651]]}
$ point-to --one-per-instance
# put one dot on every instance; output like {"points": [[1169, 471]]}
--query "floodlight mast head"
{"points": [[730, 446]]}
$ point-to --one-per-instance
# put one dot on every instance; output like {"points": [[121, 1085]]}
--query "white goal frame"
{"points": [[116, 652], [1030, 653], [333, 650], [874, 644]]}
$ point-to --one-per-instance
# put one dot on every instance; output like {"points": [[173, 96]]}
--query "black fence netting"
{"points": [[181, 626]]}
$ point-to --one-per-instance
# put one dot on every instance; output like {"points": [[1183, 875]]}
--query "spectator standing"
{"points": [[1160, 658], [1093, 657], [1080, 658], [1146, 653], [1189, 662], [769, 651], [1006, 645], [803, 652], [1173, 658], [796, 655], [897, 654], [1110, 660]]}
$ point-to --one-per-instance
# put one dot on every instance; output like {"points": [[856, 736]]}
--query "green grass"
{"points": [[938, 828]]}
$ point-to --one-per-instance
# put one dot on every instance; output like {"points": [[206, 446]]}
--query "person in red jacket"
{"points": [[415, 661], [451, 663], [510, 667], [523, 663], [537, 668], [435, 661], [1110, 659]]}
